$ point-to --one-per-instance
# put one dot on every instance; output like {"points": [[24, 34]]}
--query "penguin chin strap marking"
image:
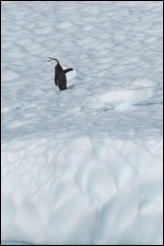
{"points": [[50, 58], [53, 60]]}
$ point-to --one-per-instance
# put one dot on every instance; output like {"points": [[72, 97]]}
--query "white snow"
{"points": [[84, 165]]}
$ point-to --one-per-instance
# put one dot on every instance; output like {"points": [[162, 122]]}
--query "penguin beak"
{"points": [[50, 59]]}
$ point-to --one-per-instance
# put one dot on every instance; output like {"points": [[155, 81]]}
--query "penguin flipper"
{"points": [[68, 70]]}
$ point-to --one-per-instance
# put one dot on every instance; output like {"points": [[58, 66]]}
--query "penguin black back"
{"points": [[60, 75]]}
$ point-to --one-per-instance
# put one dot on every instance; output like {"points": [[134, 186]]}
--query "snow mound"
{"points": [[91, 191], [123, 98]]}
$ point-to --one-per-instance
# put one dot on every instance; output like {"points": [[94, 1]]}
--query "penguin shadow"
{"points": [[70, 87], [78, 83]]}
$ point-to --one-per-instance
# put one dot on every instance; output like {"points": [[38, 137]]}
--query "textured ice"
{"points": [[82, 166]]}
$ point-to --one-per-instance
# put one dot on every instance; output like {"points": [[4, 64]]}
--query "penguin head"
{"points": [[53, 61]]}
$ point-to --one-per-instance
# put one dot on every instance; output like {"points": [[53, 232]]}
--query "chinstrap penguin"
{"points": [[60, 74]]}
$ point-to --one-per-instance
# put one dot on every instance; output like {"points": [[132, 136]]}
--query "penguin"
{"points": [[60, 75]]}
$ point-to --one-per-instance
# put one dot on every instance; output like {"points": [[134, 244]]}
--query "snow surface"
{"points": [[82, 166]]}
